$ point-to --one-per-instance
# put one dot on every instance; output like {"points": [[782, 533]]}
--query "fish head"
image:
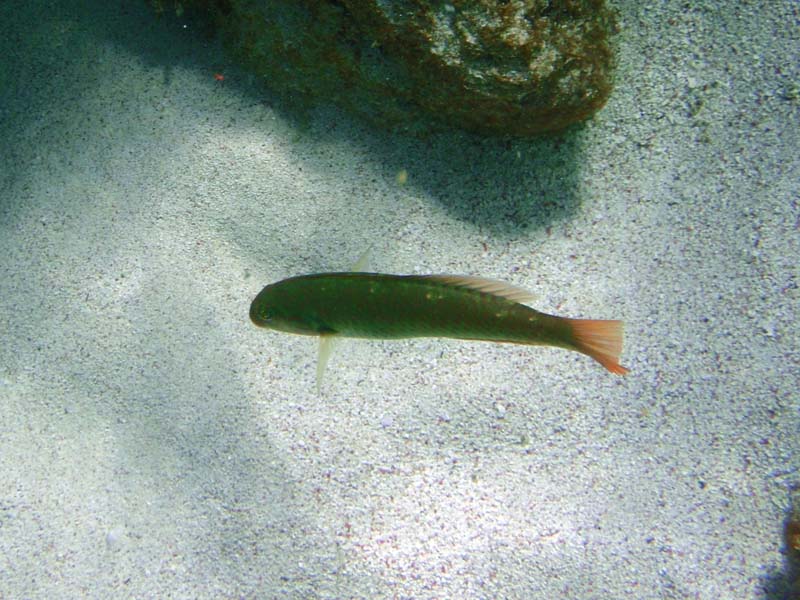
{"points": [[277, 307]]}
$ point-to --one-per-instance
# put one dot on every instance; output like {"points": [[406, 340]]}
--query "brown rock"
{"points": [[513, 67]]}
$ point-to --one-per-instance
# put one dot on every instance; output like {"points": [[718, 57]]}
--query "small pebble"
{"points": [[113, 538], [501, 410]]}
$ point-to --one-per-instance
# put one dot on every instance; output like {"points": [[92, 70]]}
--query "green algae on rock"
{"points": [[505, 67]]}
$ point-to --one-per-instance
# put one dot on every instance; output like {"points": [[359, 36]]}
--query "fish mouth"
{"points": [[254, 314]]}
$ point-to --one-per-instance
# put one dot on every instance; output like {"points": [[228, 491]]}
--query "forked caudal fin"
{"points": [[602, 340]]}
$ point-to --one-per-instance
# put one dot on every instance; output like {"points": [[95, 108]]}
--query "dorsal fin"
{"points": [[487, 286], [362, 264]]}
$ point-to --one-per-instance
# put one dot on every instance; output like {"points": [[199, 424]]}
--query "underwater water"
{"points": [[154, 443]]}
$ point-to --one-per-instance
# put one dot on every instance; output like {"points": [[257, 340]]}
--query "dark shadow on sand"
{"points": [[502, 187]]}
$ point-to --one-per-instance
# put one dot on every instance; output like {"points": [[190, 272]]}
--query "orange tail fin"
{"points": [[602, 340]]}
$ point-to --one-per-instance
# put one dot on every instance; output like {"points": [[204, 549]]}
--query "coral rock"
{"points": [[509, 67]]}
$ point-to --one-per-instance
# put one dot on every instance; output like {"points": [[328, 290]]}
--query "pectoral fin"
{"points": [[327, 341], [326, 344]]}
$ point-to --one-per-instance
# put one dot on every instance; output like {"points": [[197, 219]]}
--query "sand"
{"points": [[155, 444]]}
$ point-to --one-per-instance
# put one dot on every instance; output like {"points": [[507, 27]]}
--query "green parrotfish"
{"points": [[375, 305]]}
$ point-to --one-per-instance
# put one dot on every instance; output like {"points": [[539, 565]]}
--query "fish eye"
{"points": [[268, 314]]}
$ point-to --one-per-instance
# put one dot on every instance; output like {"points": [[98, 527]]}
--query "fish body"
{"points": [[374, 305]]}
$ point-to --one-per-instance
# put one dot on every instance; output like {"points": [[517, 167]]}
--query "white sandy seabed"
{"points": [[154, 444]]}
